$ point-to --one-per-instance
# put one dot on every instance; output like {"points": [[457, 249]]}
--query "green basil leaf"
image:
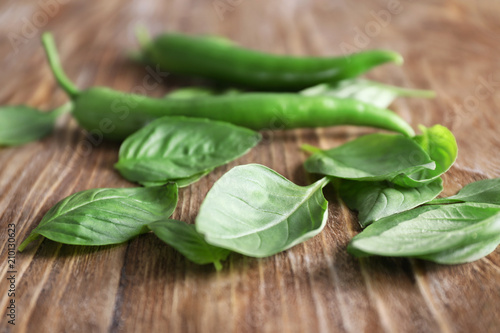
{"points": [[378, 94], [486, 191], [442, 148], [184, 238], [373, 157], [376, 200], [173, 148], [257, 212], [181, 182], [106, 215], [21, 124], [431, 232], [463, 254]]}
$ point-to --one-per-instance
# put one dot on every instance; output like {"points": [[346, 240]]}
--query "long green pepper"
{"points": [[221, 60], [118, 114]]}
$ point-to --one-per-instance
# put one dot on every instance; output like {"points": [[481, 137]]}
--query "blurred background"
{"points": [[448, 46]]}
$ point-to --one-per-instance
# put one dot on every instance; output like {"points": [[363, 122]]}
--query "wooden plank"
{"points": [[144, 285]]}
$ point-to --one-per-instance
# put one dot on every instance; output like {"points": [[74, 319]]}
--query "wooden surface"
{"points": [[451, 47]]}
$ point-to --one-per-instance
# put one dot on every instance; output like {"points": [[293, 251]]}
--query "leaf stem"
{"points": [[28, 240], [218, 265], [55, 65], [324, 181], [144, 39], [142, 35], [56, 113], [405, 92], [310, 149]]}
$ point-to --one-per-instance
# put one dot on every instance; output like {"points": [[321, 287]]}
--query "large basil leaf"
{"points": [[184, 238], [376, 200], [176, 148], [105, 215], [445, 233], [442, 148], [486, 190], [21, 124], [378, 94], [257, 212], [371, 157]]}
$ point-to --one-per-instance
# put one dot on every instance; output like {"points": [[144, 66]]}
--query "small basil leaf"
{"points": [[106, 215], [184, 238], [378, 94], [430, 231], [486, 190], [376, 200], [21, 124], [181, 182], [371, 157], [442, 148], [257, 212], [172, 148]]}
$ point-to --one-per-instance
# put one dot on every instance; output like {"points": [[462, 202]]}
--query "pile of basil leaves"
{"points": [[390, 179]]}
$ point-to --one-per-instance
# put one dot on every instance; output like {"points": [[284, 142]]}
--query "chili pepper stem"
{"points": [[50, 49]]}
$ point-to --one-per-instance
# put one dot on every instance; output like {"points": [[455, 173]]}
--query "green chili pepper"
{"points": [[117, 114], [219, 59]]}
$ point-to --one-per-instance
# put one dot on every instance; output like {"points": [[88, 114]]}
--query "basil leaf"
{"points": [[467, 253], [442, 148], [184, 238], [105, 215], [371, 157], [378, 94], [175, 148], [257, 212], [376, 200], [429, 232], [21, 124], [486, 190]]}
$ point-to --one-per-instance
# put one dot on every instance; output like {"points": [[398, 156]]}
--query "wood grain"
{"points": [[145, 286]]}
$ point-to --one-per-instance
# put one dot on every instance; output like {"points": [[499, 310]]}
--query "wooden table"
{"points": [[451, 47]]}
